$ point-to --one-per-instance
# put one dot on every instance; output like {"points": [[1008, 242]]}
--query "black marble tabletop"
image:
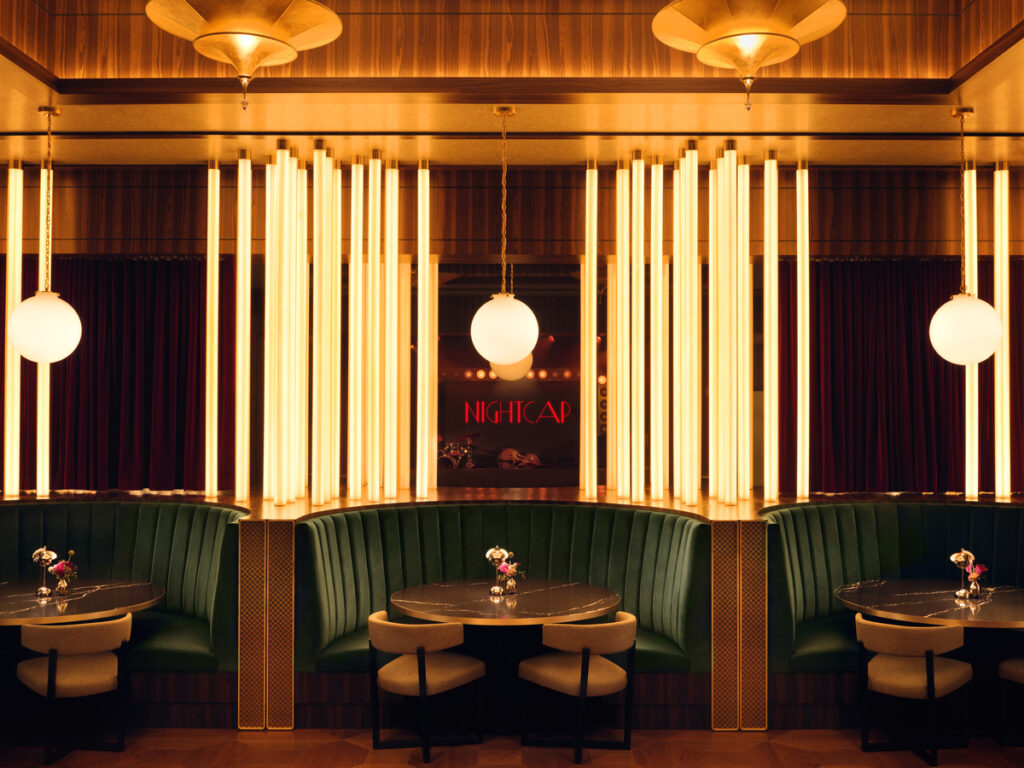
{"points": [[537, 601], [86, 600], [933, 601]]}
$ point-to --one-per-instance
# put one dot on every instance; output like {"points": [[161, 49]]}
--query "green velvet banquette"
{"points": [[190, 550], [348, 563], [814, 548]]}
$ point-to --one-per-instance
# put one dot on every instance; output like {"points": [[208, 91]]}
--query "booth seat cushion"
{"points": [[170, 642], [825, 645], [657, 653], [348, 653]]}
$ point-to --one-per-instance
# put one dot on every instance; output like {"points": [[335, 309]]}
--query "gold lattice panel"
{"points": [[753, 626], [252, 619], [724, 627], [280, 624]]}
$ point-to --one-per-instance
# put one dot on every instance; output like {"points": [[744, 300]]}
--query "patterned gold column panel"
{"points": [[725, 656], [280, 592], [753, 625], [252, 625]]}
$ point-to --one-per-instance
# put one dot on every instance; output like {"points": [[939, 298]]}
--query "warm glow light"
{"points": [[745, 336], [638, 383], [965, 330], [373, 332], [481, 373], [243, 324], [748, 44], [491, 374], [694, 290], [542, 374], [12, 359], [771, 327], [713, 462], [530, 374], [357, 347], [803, 333], [659, 405], [391, 404], [602, 379], [970, 224], [588, 330], [212, 324], [504, 330], [1001, 285], [621, 375], [320, 411], [434, 337], [425, 449], [45, 328], [728, 328], [513, 372]]}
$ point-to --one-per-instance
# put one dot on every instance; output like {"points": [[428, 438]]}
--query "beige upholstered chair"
{"points": [[80, 660], [1011, 673], [908, 664], [423, 668], [580, 669]]}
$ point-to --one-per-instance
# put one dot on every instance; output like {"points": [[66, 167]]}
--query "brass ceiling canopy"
{"points": [[248, 34], [745, 35]]}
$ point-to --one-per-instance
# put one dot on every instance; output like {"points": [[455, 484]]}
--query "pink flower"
{"points": [[59, 568], [977, 570], [504, 568]]}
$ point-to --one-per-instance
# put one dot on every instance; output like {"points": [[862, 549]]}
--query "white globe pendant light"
{"points": [[45, 328], [513, 372], [965, 330], [504, 330]]}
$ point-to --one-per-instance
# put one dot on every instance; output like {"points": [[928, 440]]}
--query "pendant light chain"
{"points": [[963, 225], [504, 192], [49, 200]]}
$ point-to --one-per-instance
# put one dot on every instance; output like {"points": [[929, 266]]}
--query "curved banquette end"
{"points": [[814, 548], [349, 562], [191, 550]]}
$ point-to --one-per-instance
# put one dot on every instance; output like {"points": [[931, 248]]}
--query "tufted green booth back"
{"points": [[348, 563], [814, 548], [184, 548]]}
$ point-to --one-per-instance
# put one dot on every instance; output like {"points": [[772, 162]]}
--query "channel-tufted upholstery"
{"points": [[188, 549], [814, 548], [348, 563]]}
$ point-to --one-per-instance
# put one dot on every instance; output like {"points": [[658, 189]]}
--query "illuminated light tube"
{"points": [[43, 369], [713, 463], [637, 322], [286, 248], [390, 402], [745, 350], [356, 335], [336, 315], [678, 422], [971, 371], [12, 359], [243, 324], [622, 285], [658, 410], [434, 290], [302, 330], [1001, 273], [425, 450], [404, 368], [729, 329], [803, 333], [212, 317], [611, 471], [319, 418], [693, 321], [269, 329], [588, 352], [771, 327], [373, 332]]}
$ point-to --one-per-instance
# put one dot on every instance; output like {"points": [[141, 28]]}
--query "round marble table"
{"points": [[933, 601], [86, 600], [537, 601]]}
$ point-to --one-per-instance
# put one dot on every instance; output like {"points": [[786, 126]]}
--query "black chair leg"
{"points": [[424, 728]]}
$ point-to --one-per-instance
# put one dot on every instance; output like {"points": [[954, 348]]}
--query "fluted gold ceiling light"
{"points": [[745, 35], [248, 34]]}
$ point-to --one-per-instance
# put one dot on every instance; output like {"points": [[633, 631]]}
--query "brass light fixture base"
{"points": [[962, 112], [49, 110], [504, 111]]}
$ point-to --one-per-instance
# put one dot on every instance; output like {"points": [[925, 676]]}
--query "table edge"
{"points": [[532, 621], [81, 617], [927, 620]]}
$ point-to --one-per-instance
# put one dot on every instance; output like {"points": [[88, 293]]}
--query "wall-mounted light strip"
{"points": [[678, 420], [693, 290], [425, 450], [637, 323], [745, 335], [714, 465], [286, 248], [374, 382], [43, 369], [771, 327], [302, 328], [404, 368], [243, 323], [971, 371], [611, 340], [658, 405], [728, 329], [212, 323], [356, 337], [319, 412], [1001, 281], [12, 359], [434, 331], [337, 282], [622, 332], [270, 328], [588, 340], [390, 404], [803, 332]]}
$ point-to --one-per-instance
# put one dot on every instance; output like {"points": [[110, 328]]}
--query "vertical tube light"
{"points": [[1001, 275], [623, 460], [319, 420], [404, 370], [425, 452], [390, 403], [373, 333], [435, 286], [611, 434], [637, 332], [658, 410], [803, 332], [212, 317], [745, 299], [43, 369], [243, 324], [269, 328], [588, 353], [729, 329], [692, 320], [771, 327], [302, 335], [971, 371], [713, 463], [678, 424], [12, 359], [336, 289], [356, 336]]}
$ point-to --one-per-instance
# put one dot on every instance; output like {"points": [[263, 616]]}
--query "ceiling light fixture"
{"points": [[248, 34], [965, 330], [45, 328], [748, 35], [504, 330]]}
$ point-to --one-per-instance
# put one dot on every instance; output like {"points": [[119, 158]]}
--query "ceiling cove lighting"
{"points": [[45, 328], [745, 36], [247, 34], [965, 330], [504, 330]]}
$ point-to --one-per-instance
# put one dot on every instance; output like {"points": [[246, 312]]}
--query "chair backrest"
{"points": [[391, 637], [610, 637], [897, 640], [74, 639]]}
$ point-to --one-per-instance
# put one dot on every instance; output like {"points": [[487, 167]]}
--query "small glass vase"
{"points": [[974, 590], [62, 587]]}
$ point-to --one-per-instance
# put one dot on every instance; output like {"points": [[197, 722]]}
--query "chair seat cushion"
{"points": [[828, 644], [656, 652], [84, 674], [561, 672], [1012, 670], [445, 671], [170, 642], [905, 676]]}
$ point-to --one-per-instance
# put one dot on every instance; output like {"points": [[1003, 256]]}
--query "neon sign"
{"points": [[516, 411]]}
